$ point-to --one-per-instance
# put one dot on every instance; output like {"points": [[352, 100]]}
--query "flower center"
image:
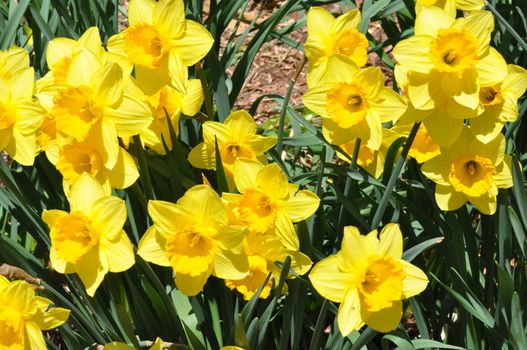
{"points": [[353, 44], [490, 95], [190, 251], [75, 112], [454, 50], [257, 211], [76, 159], [72, 236], [346, 104], [144, 45], [11, 329], [472, 175], [382, 283], [232, 150]]}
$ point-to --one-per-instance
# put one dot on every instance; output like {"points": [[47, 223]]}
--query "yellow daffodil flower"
{"points": [[20, 115], [236, 137], [157, 30], [195, 239], [24, 315], [369, 278], [470, 171], [267, 202], [443, 66], [94, 101], [263, 251], [328, 36], [500, 104], [353, 103], [89, 240]]}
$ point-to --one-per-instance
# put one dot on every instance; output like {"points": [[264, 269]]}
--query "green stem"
{"points": [[206, 93], [143, 168], [280, 143], [347, 187], [393, 178]]}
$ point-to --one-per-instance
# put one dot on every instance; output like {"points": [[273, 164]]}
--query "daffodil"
{"points": [[267, 202], [443, 67], [20, 115], [194, 237], [328, 36], [89, 240], [24, 315], [158, 29], [94, 102], [236, 137], [263, 251], [369, 278], [470, 171], [499, 103], [76, 158], [353, 103]]}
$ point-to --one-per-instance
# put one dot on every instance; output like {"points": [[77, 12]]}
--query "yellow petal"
{"points": [[245, 173], [119, 252], [444, 131], [34, 338], [168, 217], [202, 157], [178, 72], [516, 80], [301, 206], [108, 216], [385, 320], [191, 285], [356, 250], [316, 99], [51, 216], [83, 67], [92, 268], [492, 68], [130, 116], [319, 20], [194, 44], [108, 84], [503, 178], [286, 231], [486, 203], [228, 265], [51, 318], [58, 49], [349, 315], [58, 264], [480, 24], [487, 126], [391, 241], [193, 99], [300, 263], [430, 20], [261, 144], [273, 180], [347, 21], [124, 172], [108, 134], [151, 247], [22, 148], [415, 281], [84, 193], [328, 280], [22, 84], [205, 205], [390, 106], [241, 124], [169, 18], [213, 131], [140, 11], [448, 199]]}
